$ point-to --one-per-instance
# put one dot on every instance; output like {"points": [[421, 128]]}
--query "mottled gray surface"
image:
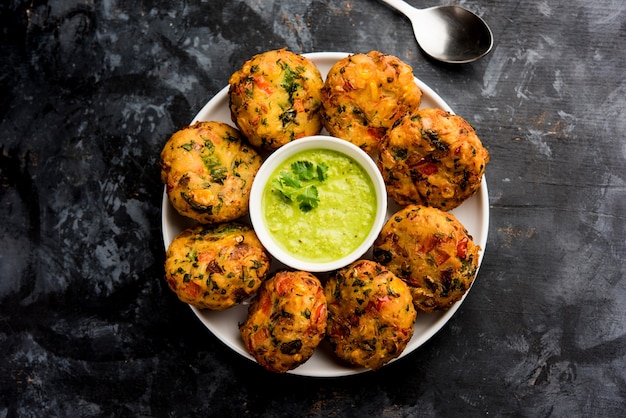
{"points": [[90, 90]]}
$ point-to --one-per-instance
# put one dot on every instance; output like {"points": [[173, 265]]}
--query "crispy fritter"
{"points": [[286, 321], [216, 267], [275, 98], [432, 252], [208, 169], [370, 314], [364, 94], [433, 158]]}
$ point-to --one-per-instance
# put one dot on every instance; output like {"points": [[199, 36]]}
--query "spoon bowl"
{"points": [[449, 34]]}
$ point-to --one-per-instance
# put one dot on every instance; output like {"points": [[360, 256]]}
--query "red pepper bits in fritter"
{"points": [[286, 321], [208, 169], [275, 98], [432, 252], [433, 158], [370, 314], [364, 94], [216, 267]]}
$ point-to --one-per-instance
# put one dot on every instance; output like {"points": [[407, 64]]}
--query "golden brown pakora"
{"points": [[208, 169], [364, 94], [275, 98], [432, 252], [433, 158], [216, 267], [370, 314], [286, 321]]}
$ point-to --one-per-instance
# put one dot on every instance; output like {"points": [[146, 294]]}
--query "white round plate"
{"points": [[473, 214]]}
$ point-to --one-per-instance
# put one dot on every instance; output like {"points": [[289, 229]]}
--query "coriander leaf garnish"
{"points": [[305, 170], [289, 180], [299, 184], [322, 172], [287, 184], [308, 198]]}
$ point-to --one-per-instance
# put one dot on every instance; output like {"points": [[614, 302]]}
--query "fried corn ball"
{"points": [[364, 94], [432, 252], [432, 158], [275, 98], [216, 267], [286, 321], [208, 169], [370, 314]]}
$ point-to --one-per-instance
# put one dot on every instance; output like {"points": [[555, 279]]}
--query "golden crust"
{"points": [[432, 252], [370, 314], [275, 98], [286, 321], [208, 170], [433, 158], [216, 267], [364, 94]]}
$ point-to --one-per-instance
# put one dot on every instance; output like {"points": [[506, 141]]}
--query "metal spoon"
{"points": [[450, 34]]}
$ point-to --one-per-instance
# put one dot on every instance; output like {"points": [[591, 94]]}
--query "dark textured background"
{"points": [[90, 91]]}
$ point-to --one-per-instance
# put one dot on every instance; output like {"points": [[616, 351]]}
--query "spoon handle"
{"points": [[402, 6]]}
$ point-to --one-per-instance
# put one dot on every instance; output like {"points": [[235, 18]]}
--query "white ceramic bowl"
{"points": [[269, 167]]}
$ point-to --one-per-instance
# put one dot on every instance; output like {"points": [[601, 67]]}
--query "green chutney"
{"points": [[340, 222]]}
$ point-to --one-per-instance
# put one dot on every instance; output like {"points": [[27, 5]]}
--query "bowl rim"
{"points": [[288, 150]]}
